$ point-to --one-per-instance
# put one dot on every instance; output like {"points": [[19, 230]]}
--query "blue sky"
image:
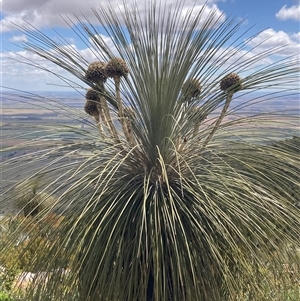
{"points": [[277, 19]]}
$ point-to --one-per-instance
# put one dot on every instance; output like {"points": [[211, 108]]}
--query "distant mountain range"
{"points": [[260, 101]]}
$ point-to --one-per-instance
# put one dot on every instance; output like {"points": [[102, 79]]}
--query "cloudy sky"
{"points": [[278, 20]]}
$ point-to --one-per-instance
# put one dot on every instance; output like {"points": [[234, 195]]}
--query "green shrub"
{"points": [[5, 297], [22, 246]]}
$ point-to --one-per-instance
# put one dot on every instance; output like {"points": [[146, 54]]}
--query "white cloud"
{"points": [[239, 60], [271, 39], [296, 37], [19, 68], [286, 13], [218, 14], [27, 77], [20, 76], [43, 14], [108, 41], [19, 71], [21, 38], [38, 19]]}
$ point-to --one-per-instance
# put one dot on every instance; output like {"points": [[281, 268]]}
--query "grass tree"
{"points": [[178, 197]]}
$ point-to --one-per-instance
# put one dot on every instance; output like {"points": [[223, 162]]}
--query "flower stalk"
{"points": [[230, 84], [106, 114], [116, 68]]}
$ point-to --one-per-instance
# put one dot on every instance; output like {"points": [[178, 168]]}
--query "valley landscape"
{"points": [[36, 117]]}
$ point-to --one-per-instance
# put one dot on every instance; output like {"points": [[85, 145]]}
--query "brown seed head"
{"points": [[95, 72], [191, 88], [90, 107], [116, 67], [230, 81], [92, 94]]}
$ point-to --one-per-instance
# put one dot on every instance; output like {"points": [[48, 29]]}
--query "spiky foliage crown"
{"points": [[95, 72], [168, 218], [92, 94], [230, 81], [191, 88], [90, 107], [116, 67]]}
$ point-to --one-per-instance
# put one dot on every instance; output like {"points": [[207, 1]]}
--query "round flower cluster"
{"points": [[116, 67], [92, 95], [191, 88], [92, 102], [96, 72], [230, 81], [91, 108]]}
